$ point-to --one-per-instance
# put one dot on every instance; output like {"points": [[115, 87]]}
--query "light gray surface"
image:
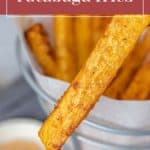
{"points": [[8, 64]]}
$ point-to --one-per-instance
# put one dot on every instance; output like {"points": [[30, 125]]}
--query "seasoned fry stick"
{"points": [[130, 66], [37, 40], [139, 88], [92, 80], [83, 35], [64, 44]]}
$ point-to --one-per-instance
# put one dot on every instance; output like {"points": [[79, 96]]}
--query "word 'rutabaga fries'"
{"points": [[83, 35], [40, 46], [139, 88], [64, 47], [130, 66], [92, 80]]}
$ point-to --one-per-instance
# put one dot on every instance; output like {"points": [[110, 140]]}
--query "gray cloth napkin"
{"points": [[19, 101]]}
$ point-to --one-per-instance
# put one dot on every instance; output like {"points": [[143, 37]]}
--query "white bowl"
{"points": [[20, 129]]}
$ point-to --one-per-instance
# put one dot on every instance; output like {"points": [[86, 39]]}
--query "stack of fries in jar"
{"points": [[98, 56]]}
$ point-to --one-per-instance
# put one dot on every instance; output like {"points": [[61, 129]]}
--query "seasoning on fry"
{"points": [[92, 80]]}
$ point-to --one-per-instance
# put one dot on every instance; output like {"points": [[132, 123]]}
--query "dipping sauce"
{"points": [[20, 145]]}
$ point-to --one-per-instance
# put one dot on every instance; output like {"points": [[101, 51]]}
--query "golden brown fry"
{"points": [[105, 22], [139, 87], [65, 49], [96, 29], [83, 35], [39, 44], [99, 25], [92, 80], [130, 66]]}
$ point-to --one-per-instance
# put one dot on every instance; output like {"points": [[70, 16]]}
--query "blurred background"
{"points": [[20, 113], [13, 88], [8, 64]]}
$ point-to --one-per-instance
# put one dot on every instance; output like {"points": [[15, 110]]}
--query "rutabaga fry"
{"points": [[65, 47], [130, 66], [92, 80], [105, 22], [40, 46], [99, 26], [83, 33], [139, 87], [96, 29]]}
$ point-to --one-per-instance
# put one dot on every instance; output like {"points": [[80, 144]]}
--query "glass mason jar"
{"points": [[94, 133]]}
